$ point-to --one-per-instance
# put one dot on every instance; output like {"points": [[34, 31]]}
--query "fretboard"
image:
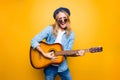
{"points": [[69, 52]]}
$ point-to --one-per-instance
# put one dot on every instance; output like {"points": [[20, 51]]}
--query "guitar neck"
{"points": [[69, 52]]}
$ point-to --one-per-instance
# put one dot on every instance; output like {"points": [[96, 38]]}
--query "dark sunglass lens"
{"points": [[60, 21], [65, 20]]}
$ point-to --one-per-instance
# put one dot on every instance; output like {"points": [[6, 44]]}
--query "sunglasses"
{"points": [[60, 21]]}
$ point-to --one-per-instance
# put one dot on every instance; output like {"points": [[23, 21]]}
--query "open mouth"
{"points": [[63, 23]]}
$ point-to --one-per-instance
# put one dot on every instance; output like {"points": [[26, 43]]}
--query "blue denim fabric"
{"points": [[47, 33], [52, 71]]}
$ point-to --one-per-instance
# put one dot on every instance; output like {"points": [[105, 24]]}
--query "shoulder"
{"points": [[49, 27], [72, 35]]}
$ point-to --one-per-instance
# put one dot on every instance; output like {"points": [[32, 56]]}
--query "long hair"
{"points": [[56, 26]]}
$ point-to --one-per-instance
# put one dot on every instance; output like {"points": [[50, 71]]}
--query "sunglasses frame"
{"points": [[60, 21]]}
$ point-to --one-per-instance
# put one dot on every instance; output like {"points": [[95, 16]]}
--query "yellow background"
{"points": [[95, 23]]}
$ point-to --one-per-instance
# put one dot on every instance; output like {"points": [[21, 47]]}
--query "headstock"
{"points": [[96, 49]]}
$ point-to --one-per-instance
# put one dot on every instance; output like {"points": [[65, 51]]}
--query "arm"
{"points": [[49, 55], [38, 38], [71, 41]]}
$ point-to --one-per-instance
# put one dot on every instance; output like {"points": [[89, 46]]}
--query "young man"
{"points": [[59, 32]]}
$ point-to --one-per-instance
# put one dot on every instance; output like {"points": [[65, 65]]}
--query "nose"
{"points": [[62, 20]]}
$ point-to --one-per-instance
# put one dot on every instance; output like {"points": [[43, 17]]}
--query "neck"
{"points": [[69, 52], [62, 29]]}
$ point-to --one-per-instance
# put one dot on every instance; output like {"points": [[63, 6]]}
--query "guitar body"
{"points": [[39, 61]]}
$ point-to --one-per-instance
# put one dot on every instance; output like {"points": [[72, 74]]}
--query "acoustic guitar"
{"points": [[38, 61]]}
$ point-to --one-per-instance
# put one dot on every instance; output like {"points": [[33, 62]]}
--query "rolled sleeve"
{"points": [[34, 43]]}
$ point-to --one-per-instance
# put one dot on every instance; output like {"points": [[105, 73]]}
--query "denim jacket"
{"points": [[47, 33]]}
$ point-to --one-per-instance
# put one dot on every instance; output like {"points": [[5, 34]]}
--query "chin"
{"points": [[63, 26]]}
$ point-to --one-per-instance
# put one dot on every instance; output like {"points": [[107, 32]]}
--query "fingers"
{"points": [[51, 54], [80, 53], [53, 58]]}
